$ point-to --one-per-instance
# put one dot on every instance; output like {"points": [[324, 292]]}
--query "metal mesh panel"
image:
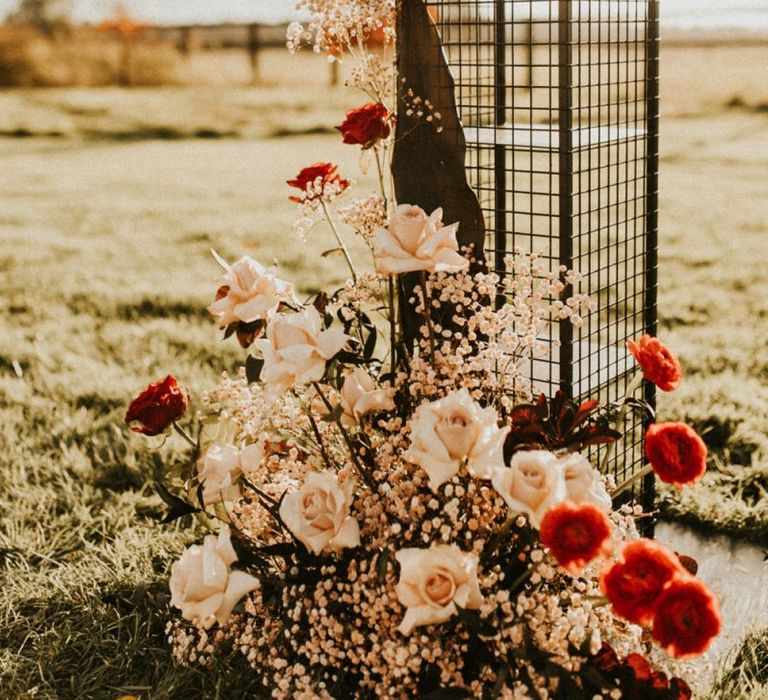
{"points": [[559, 101]]}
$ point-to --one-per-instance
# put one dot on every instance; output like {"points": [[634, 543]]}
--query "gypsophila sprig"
{"points": [[395, 541]]}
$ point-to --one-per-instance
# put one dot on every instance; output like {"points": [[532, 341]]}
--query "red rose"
{"points": [[575, 534], [634, 583], [658, 363], [687, 618], [159, 405], [366, 125], [676, 453], [314, 180]]}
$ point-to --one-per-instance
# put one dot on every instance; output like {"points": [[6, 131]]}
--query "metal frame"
{"points": [[560, 104]]}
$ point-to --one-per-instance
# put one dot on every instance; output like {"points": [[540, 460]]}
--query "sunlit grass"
{"points": [[744, 673], [105, 272]]}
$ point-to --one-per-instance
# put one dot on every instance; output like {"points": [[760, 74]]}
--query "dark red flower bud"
{"points": [[366, 125], [314, 179], [157, 407]]}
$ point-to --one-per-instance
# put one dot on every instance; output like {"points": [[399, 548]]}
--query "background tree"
{"points": [[45, 15]]}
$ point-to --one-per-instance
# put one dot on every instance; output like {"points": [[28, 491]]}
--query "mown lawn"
{"points": [[104, 278], [105, 273]]}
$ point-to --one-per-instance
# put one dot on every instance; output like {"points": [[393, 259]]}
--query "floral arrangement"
{"points": [[404, 519]]}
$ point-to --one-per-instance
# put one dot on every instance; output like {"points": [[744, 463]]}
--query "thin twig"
{"points": [[319, 439], [366, 477], [392, 325]]}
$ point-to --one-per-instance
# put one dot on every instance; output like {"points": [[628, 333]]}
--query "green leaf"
{"points": [[501, 680], [333, 416], [253, 367], [332, 251], [370, 344], [178, 507], [381, 566]]}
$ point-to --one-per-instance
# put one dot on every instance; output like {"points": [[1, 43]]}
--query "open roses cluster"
{"points": [[406, 530], [394, 515]]}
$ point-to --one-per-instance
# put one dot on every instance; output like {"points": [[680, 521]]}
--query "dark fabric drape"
{"points": [[428, 164]]}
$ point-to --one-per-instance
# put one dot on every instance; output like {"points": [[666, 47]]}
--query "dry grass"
{"points": [[82, 57], [104, 274], [31, 59], [744, 673]]}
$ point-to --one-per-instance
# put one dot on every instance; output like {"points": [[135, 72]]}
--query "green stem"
{"points": [[637, 380], [624, 485], [319, 439], [339, 240], [347, 257], [366, 477], [392, 325], [427, 315], [495, 541], [184, 434], [380, 170]]}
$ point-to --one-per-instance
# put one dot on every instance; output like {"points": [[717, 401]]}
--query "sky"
{"points": [[745, 14]]}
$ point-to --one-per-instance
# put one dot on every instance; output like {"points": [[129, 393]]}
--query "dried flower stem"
{"points": [[319, 439], [624, 485]]}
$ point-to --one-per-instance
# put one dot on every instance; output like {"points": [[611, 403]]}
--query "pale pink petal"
{"points": [[348, 535], [239, 585], [330, 342]]}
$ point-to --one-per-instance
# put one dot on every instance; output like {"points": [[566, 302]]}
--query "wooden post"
{"points": [[254, 45], [334, 80], [125, 30], [185, 41], [124, 65]]}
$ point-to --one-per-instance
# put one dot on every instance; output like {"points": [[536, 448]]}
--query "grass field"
{"points": [[105, 228]]}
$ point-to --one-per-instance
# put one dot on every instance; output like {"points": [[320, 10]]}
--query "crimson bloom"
{"points": [[315, 179], [157, 407], [676, 452], [575, 534], [634, 583], [365, 125], [657, 361], [687, 618]]}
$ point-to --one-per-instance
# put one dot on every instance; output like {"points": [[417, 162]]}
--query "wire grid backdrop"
{"points": [[559, 101]]}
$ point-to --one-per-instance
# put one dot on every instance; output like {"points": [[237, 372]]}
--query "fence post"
{"points": [[254, 45], [185, 41], [334, 79]]}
